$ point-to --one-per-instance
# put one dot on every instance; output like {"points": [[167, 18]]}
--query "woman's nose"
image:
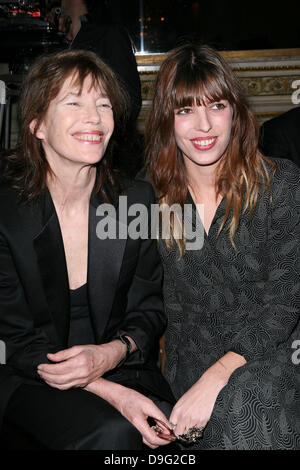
{"points": [[203, 119], [91, 113]]}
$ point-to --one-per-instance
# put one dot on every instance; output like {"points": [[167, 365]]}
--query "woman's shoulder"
{"points": [[13, 204], [9, 205], [286, 180], [285, 166], [8, 195], [286, 171]]}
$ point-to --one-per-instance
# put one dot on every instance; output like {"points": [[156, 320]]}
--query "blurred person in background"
{"points": [[88, 25], [280, 136]]}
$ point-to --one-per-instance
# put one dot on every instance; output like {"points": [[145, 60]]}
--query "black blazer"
{"points": [[124, 288], [280, 136]]}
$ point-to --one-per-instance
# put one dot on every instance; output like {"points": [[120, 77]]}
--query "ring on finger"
{"points": [[191, 435]]}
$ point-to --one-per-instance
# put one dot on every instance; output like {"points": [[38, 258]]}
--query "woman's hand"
{"points": [[194, 408], [79, 365], [136, 408]]}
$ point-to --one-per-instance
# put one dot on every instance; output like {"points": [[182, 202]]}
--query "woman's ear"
{"points": [[37, 132]]}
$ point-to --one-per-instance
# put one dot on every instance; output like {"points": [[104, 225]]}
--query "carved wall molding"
{"points": [[268, 85], [235, 56]]}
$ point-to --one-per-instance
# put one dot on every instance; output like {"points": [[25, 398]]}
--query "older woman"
{"points": [[80, 312], [232, 303]]}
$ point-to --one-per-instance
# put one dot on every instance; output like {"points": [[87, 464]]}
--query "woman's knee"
{"points": [[71, 419], [112, 433]]}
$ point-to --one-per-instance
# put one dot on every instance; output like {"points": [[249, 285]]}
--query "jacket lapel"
{"points": [[104, 264], [51, 259]]}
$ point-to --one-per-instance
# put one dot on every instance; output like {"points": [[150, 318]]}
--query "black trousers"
{"points": [[70, 420]]}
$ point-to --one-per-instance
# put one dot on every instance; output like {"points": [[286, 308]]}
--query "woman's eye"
{"points": [[73, 103], [218, 106], [106, 106], [184, 111]]}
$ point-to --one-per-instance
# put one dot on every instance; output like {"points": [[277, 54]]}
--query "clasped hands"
{"points": [[83, 366], [80, 365]]}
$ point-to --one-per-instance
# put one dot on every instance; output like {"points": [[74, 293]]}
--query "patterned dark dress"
{"points": [[245, 300]]}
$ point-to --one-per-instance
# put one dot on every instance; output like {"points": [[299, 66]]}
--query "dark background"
{"points": [[158, 25], [225, 25]]}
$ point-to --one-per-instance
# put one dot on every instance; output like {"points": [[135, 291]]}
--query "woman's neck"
{"points": [[71, 192], [202, 187], [201, 181]]}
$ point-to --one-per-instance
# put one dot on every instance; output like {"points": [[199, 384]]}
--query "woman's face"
{"points": [[203, 132], [77, 127]]}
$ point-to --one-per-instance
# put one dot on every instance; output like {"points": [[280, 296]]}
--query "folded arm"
{"points": [[26, 345], [80, 365]]}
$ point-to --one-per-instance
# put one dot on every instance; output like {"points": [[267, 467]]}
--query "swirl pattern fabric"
{"points": [[244, 299]]}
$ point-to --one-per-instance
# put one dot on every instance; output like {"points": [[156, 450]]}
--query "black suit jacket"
{"points": [[124, 288], [280, 136]]}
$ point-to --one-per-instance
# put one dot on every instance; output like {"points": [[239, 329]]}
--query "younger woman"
{"points": [[232, 305]]}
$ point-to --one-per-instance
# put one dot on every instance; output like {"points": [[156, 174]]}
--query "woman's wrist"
{"points": [[232, 361], [116, 352], [106, 389], [228, 364], [129, 344], [221, 372], [115, 394]]}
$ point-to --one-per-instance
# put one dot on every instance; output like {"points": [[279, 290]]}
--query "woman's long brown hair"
{"points": [[26, 168], [198, 74]]}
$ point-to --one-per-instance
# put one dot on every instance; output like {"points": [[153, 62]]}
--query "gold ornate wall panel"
{"points": [[270, 79]]}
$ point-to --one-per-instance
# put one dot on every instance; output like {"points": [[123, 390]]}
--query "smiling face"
{"points": [[202, 132], [77, 127]]}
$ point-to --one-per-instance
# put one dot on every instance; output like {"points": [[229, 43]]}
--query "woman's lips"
{"points": [[92, 137], [204, 143]]}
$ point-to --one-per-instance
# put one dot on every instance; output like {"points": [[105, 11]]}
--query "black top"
{"points": [[81, 331]]}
